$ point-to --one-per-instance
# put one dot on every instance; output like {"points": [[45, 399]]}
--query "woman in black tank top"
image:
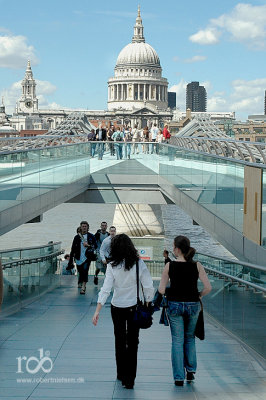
{"points": [[183, 307]]}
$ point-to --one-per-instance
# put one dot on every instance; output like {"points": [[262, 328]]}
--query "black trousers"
{"points": [[83, 271], [126, 342]]}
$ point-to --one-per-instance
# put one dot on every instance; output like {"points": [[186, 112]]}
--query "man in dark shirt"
{"points": [[82, 241], [166, 257]]}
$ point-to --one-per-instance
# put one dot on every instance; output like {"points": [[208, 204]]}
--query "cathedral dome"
{"points": [[138, 54]]}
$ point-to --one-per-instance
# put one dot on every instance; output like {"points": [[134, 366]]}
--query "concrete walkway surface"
{"points": [[78, 359]]}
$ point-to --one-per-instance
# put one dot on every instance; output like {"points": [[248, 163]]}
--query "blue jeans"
{"points": [[119, 151], [183, 319], [93, 149], [127, 150], [101, 149]]}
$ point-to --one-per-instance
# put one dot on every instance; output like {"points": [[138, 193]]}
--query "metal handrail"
{"points": [[239, 280], [230, 260], [30, 248], [17, 263], [258, 165]]}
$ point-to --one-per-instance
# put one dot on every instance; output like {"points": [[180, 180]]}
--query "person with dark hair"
{"points": [[64, 265], [167, 259], [100, 136], [82, 241], [183, 306], [100, 235], [105, 249], [118, 138], [121, 274]]}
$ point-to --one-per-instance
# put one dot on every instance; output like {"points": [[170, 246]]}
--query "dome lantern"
{"points": [[138, 36]]}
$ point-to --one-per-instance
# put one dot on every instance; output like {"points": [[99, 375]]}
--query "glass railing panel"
{"points": [[238, 270], [30, 180], [59, 161], [263, 219], [11, 166], [12, 287], [254, 322], [30, 253], [30, 281], [235, 304], [215, 183], [11, 255]]}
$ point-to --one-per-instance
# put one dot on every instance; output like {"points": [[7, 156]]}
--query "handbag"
{"points": [[90, 252], [199, 330], [143, 314]]}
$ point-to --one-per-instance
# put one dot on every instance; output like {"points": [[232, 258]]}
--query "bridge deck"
{"points": [[60, 322]]}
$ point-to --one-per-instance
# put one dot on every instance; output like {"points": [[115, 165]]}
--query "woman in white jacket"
{"points": [[121, 275]]}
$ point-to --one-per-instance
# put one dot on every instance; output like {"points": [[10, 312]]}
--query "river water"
{"points": [[60, 223]]}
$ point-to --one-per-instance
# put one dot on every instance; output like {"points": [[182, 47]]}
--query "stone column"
{"points": [[144, 91], [150, 92], [160, 92], [138, 91]]}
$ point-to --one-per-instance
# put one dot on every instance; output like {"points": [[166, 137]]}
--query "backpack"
{"points": [[119, 138]]}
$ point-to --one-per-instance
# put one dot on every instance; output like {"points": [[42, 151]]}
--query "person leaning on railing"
{"points": [[183, 306]]}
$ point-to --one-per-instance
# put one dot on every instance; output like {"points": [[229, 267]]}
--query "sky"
{"points": [[73, 47]]}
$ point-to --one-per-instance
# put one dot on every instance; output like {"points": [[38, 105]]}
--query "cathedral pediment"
{"points": [[143, 111]]}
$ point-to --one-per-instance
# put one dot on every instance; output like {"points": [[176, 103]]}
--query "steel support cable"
{"points": [[249, 152], [263, 155]]}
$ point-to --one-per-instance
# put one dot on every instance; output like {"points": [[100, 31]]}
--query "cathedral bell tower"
{"points": [[28, 102]]}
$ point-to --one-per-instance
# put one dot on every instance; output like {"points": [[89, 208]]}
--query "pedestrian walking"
{"points": [[100, 235], [83, 245], [183, 306], [121, 275]]}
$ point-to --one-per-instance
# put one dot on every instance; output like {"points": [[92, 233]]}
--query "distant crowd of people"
{"points": [[117, 257], [124, 141]]}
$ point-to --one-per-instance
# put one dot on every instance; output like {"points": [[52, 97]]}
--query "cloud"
{"points": [[245, 23], [246, 97], [180, 90], [14, 51], [195, 59], [206, 36], [13, 93], [45, 87], [217, 103]]}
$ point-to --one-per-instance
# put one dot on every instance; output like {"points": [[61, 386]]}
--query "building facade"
{"points": [[28, 102], [172, 100], [137, 94], [196, 97], [138, 80]]}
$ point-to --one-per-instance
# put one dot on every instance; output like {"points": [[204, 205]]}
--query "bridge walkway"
{"points": [[83, 363]]}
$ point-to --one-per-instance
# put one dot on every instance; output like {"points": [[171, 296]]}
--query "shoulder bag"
{"points": [[199, 330], [90, 252], [143, 314]]}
